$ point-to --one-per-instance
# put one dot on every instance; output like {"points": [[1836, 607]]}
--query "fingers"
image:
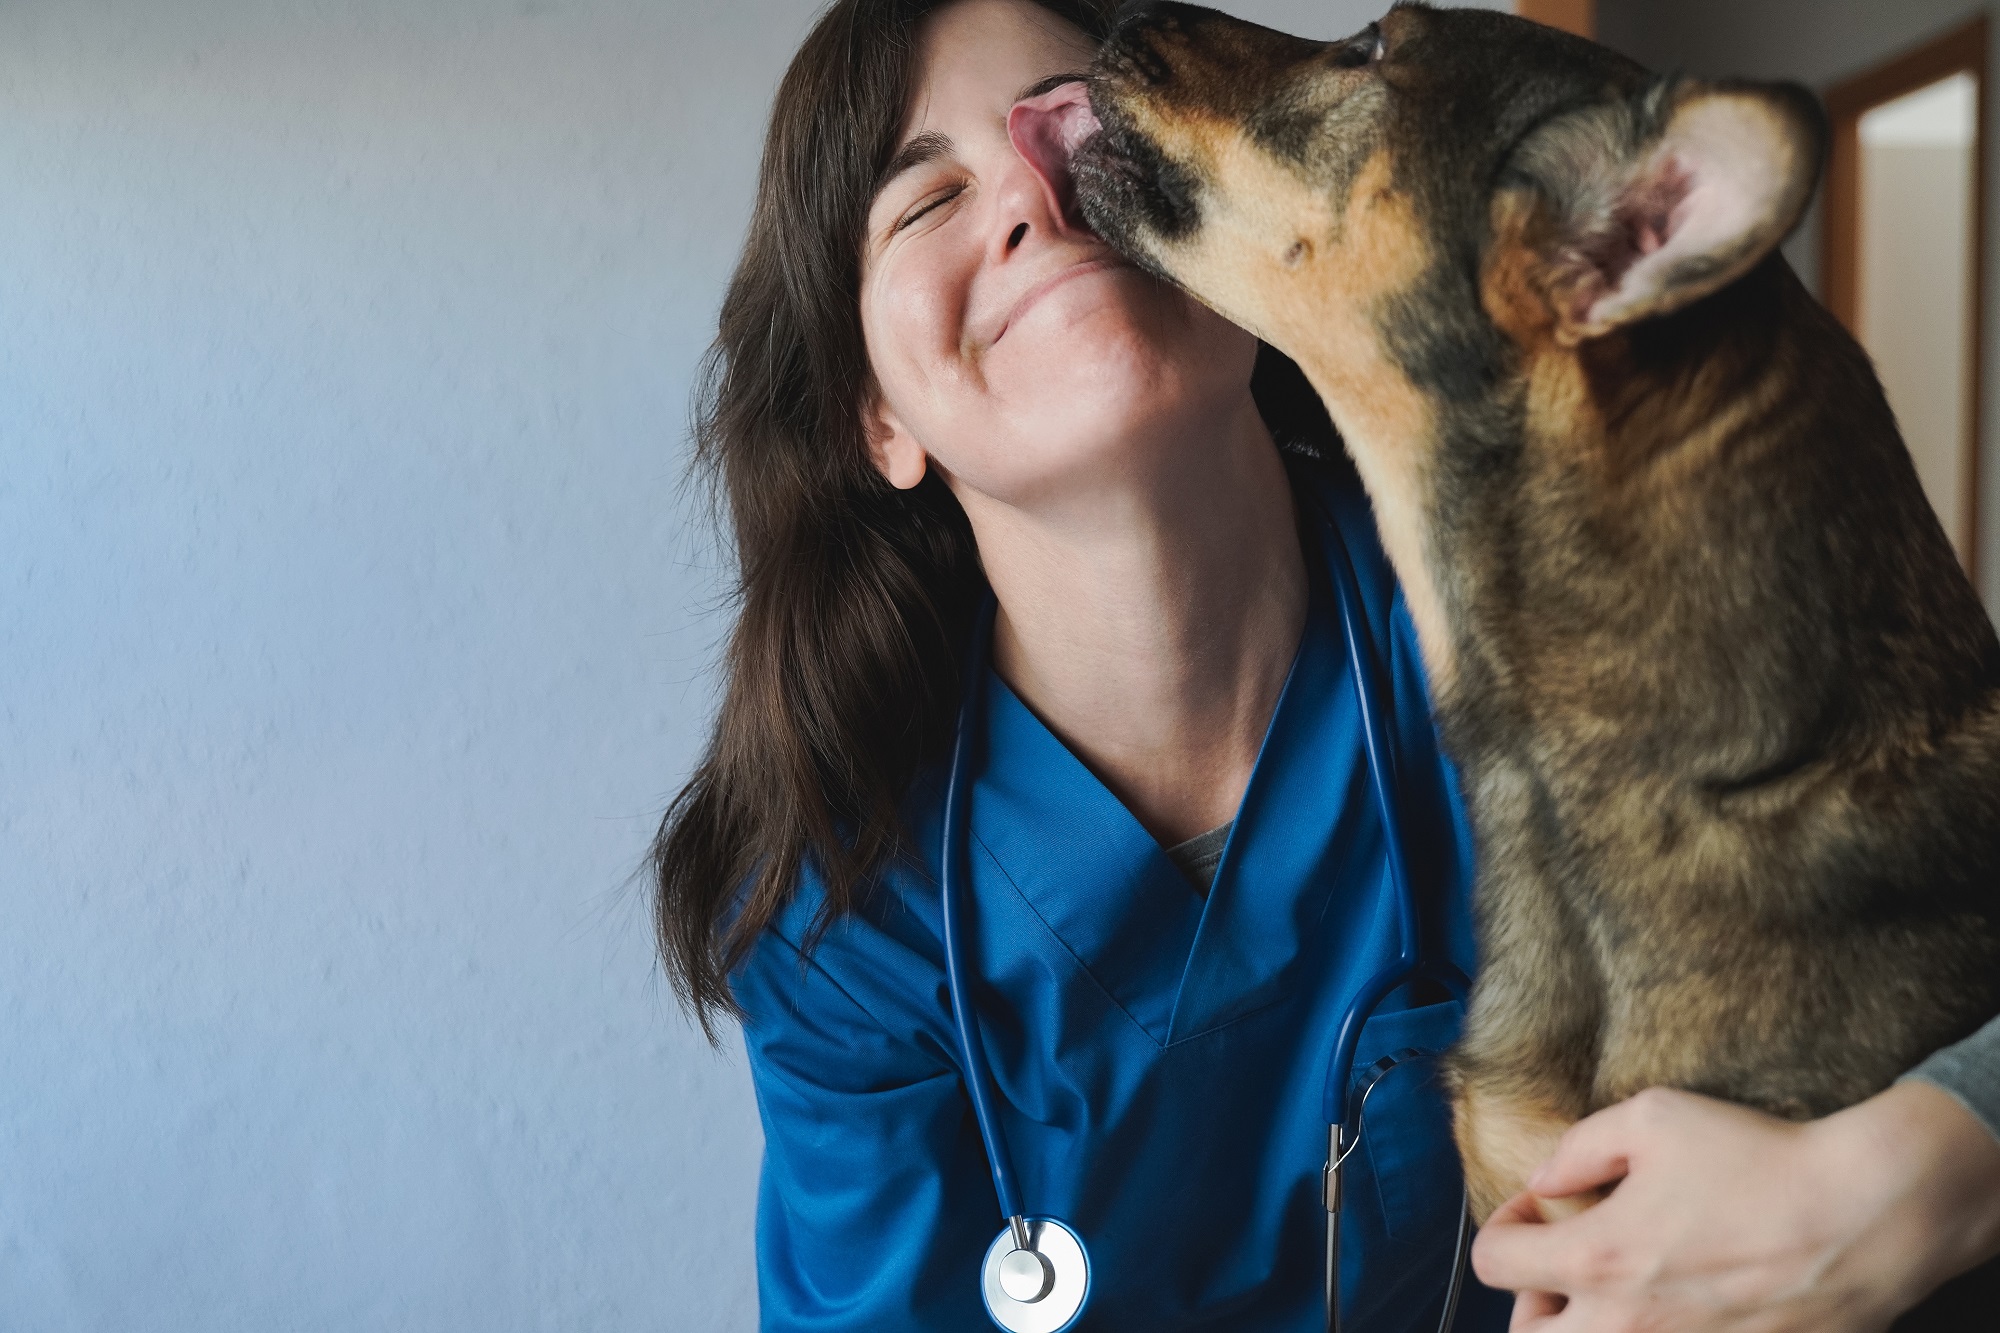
{"points": [[1596, 1152], [1699, 1225], [1534, 1311], [1521, 1210], [1517, 1251]]}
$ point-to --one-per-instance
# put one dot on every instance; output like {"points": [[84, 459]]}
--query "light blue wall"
{"points": [[350, 642], [353, 633]]}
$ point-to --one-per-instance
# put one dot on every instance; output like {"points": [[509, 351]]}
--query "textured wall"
{"points": [[349, 645], [352, 635]]}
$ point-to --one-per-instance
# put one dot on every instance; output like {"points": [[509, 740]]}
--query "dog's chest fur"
{"points": [[1725, 710]]}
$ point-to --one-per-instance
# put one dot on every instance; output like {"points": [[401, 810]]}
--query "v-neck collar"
{"points": [[1177, 964]]}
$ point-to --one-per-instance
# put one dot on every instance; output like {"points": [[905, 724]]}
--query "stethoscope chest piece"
{"points": [[1040, 1289]]}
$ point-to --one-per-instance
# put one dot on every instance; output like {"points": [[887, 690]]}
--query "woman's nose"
{"points": [[1045, 131]]}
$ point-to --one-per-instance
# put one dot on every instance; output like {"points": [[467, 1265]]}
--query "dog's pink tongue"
{"points": [[1046, 131]]}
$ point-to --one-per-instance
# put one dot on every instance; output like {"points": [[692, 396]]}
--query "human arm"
{"points": [[1727, 1219], [874, 1201]]}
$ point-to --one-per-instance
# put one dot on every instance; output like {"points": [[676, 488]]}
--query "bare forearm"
{"points": [[1933, 1168]]}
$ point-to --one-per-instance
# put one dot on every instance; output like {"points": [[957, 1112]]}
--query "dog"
{"points": [[1725, 709]]}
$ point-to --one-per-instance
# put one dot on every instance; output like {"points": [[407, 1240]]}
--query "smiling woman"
{"points": [[862, 332], [930, 381]]}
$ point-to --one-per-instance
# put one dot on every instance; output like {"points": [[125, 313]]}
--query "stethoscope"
{"points": [[1036, 1274]]}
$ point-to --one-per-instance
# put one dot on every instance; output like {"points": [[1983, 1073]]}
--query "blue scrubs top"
{"points": [[1159, 1056]]}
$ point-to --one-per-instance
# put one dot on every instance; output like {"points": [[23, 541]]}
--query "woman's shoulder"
{"points": [[885, 955]]}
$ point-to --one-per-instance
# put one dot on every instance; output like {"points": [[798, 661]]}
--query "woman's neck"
{"points": [[1151, 623]]}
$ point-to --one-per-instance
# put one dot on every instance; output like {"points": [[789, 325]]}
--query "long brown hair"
{"points": [[854, 597]]}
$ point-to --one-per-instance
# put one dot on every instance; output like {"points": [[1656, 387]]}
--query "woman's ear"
{"points": [[894, 451]]}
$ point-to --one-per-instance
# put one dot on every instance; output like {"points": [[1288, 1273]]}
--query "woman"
{"points": [[929, 378]]}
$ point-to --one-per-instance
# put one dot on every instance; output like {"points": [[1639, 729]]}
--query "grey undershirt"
{"points": [[1969, 1071], [1200, 855]]}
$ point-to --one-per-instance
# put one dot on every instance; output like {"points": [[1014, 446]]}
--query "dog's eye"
{"points": [[1362, 49]]}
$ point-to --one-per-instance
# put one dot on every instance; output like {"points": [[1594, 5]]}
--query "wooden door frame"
{"points": [[1577, 16], [1962, 50]]}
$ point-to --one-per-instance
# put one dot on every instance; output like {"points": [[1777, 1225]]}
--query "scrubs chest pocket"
{"points": [[1403, 1207], [1406, 1139]]}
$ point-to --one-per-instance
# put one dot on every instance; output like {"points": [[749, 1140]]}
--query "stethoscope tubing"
{"points": [[1364, 662], [1340, 1103], [1069, 1269], [956, 853]]}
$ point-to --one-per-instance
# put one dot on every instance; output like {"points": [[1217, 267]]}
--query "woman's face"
{"points": [[1010, 347]]}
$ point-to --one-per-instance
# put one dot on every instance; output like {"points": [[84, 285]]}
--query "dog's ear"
{"points": [[1656, 201]]}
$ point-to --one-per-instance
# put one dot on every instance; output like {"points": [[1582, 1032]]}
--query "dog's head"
{"points": [[1462, 170], [1453, 222]]}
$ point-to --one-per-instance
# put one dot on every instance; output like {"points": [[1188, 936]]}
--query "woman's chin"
{"points": [[1126, 429], [1117, 373], [1136, 349]]}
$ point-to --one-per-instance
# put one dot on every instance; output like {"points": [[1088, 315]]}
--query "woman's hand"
{"points": [[1728, 1219]]}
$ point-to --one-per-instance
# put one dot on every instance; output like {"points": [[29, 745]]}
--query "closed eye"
{"points": [[1363, 49], [924, 206]]}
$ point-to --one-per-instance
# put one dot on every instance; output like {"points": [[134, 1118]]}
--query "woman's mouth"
{"points": [[1062, 275]]}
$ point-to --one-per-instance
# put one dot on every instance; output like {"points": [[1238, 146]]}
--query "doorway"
{"points": [[1903, 253]]}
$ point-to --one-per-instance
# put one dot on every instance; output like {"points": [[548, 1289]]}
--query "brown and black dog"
{"points": [[1726, 710]]}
